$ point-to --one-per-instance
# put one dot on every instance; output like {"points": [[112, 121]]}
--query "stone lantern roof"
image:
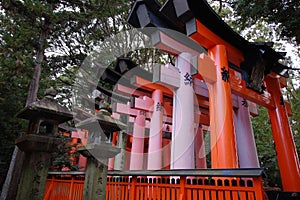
{"points": [[104, 120], [46, 109], [99, 125]]}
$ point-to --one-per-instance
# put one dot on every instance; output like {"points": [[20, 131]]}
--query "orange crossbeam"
{"points": [[238, 87], [209, 39], [207, 70], [149, 86]]}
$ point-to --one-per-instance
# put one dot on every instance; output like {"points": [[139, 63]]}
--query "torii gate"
{"points": [[169, 75], [155, 107], [153, 89], [137, 151], [179, 159], [229, 56]]}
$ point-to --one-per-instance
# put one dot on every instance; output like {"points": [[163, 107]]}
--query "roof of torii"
{"points": [[175, 14]]}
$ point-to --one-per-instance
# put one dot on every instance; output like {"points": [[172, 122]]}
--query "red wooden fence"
{"points": [[64, 186], [208, 184], [237, 184]]}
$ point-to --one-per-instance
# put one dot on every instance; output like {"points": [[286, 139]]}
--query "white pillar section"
{"points": [[155, 136], [200, 149], [246, 147], [182, 155], [137, 149]]}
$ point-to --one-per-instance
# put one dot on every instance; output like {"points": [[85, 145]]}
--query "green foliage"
{"points": [[293, 95], [265, 147], [265, 143], [64, 154], [15, 72], [284, 13], [72, 29]]}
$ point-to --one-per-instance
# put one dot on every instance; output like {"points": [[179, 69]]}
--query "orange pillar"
{"points": [[287, 157], [111, 161], [223, 144]]}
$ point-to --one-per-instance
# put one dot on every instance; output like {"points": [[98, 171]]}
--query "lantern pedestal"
{"points": [[96, 171], [38, 151]]}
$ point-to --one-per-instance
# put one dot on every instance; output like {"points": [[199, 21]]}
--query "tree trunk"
{"points": [[10, 187], [34, 85]]}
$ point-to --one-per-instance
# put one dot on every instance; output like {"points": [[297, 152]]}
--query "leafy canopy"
{"points": [[283, 13]]}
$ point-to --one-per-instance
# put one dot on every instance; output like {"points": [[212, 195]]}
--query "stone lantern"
{"points": [[98, 150], [39, 142]]}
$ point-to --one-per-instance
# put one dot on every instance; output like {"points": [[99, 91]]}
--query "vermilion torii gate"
{"points": [[232, 66], [226, 75]]}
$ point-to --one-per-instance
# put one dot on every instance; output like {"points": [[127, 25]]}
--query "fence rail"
{"points": [[210, 184], [64, 186], [203, 184]]}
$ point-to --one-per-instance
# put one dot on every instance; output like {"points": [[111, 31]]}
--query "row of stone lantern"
{"points": [[40, 141]]}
